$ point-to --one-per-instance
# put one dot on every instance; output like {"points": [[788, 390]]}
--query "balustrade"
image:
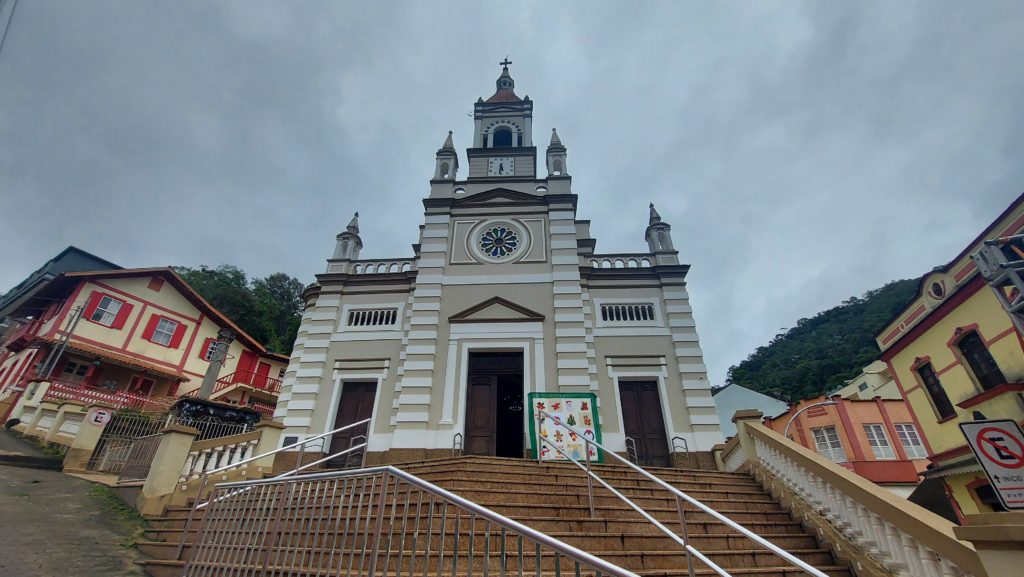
{"points": [[117, 399], [621, 261], [206, 456], [72, 424], [46, 419], [382, 267], [903, 538]]}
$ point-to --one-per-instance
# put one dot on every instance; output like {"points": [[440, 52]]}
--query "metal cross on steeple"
{"points": [[505, 62]]}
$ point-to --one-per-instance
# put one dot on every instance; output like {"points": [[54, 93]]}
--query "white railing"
{"points": [[621, 261], [46, 420], [906, 539], [208, 458], [382, 266], [28, 413], [733, 458], [72, 424]]}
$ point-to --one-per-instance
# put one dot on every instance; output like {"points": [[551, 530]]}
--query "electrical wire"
{"points": [[10, 18]]}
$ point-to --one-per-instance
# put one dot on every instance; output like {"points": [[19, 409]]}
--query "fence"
{"points": [[115, 444], [140, 458], [376, 521]]}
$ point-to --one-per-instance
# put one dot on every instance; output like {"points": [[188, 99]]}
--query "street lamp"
{"points": [[797, 414]]}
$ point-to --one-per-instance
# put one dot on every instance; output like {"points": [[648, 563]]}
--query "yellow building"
{"points": [[131, 337], [956, 357]]}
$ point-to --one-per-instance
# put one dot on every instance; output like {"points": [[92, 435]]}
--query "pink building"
{"points": [[875, 438]]}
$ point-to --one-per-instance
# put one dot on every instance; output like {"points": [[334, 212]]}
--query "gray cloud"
{"points": [[803, 152]]}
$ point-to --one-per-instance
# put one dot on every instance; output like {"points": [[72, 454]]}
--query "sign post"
{"points": [[999, 448]]}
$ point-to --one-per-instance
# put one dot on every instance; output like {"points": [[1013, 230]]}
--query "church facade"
{"points": [[504, 307]]}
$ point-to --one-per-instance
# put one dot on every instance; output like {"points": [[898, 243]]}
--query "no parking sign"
{"points": [[999, 448]]}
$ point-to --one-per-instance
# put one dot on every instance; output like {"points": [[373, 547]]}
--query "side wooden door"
{"points": [[356, 405], [481, 407], [642, 421]]}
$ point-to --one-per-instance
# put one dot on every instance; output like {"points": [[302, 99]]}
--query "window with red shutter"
{"points": [[122, 316], [151, 327], [106, 310], [179, 333], [207, 350]]}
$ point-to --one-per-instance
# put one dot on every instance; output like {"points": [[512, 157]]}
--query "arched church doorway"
{"points": [[494, 404]]}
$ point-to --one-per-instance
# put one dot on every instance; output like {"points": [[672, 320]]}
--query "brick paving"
{"points": [[54, 525]]}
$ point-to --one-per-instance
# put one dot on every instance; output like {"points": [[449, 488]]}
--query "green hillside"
{"points": [[821, 352]]}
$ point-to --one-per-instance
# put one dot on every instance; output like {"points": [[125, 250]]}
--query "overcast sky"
{"points": [[803, 152]]}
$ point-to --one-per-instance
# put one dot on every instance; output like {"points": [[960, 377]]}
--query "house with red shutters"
{"points": [[136, 338]]}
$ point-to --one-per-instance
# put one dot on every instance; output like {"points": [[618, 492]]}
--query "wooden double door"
{"points": [[356, 404], [494, 405], [643, 421]]}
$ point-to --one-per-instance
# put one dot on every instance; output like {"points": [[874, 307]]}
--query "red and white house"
{"points": [[129, 338]]}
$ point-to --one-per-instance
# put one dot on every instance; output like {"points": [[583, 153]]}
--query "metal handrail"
{"points": [[676, 441], [680, 495], [631, 449], [602, 567], [301, 444]]}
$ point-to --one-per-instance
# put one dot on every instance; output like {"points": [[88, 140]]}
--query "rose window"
{"points": [[499, 241]]}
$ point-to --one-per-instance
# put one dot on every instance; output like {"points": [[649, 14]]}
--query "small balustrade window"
{"points": [[628, 313], [372, 317]]}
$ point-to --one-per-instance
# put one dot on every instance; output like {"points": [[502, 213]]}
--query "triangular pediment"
{"points": [[498, 196], [496, 310]]}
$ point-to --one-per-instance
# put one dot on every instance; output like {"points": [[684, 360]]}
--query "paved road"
{"points": [[54, 525]]}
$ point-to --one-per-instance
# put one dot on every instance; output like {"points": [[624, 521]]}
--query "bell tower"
{"points": [[503, 134]]}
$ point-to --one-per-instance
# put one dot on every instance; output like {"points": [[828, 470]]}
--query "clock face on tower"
{"points": [[500, 166]]}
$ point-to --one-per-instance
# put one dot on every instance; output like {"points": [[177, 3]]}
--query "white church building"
{"points": [[503, 307]]}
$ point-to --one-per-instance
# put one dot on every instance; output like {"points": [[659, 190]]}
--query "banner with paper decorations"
{"points": [[577, 410]]}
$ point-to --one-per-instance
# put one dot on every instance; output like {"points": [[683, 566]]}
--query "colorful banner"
{"points": [[577, 410]]}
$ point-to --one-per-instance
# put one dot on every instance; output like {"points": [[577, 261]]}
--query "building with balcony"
{"points": [[873, 381], [135, 338], [956, 356], [875, 438]]}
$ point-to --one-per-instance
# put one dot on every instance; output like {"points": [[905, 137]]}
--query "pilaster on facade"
{"points": [[693, 378], [571, 362], [307, 367], [416, 382]]}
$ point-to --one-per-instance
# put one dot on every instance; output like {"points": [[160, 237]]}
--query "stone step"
{"points": [[595, 543], [314, 556], [163, 568], [322, 510], [507, 463], [603, 498], [530, 469], [453, 482], [166, 529]]}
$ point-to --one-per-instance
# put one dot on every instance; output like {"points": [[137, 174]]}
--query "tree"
{"points": [[269, 309], [820, 353]]}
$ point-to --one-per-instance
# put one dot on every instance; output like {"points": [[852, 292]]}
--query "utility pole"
{"points": [[51, 360], [220, 352], [1000, 262]]}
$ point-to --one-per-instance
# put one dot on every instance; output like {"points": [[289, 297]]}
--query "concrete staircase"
{"points": [[552, 498]]}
